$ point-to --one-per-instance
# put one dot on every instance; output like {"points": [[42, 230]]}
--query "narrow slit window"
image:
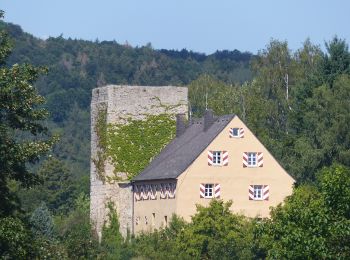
{"points": [[153, 219]]}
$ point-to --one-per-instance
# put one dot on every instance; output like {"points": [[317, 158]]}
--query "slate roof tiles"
{"points": [[179, 154]]}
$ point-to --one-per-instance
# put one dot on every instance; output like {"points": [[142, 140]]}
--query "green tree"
{"points": [[15, 239], [76, 232], [42, 223], [20, 116], [336, 61], [42, 226], [334, 183], [206, 92], [23, 141], [215, 233], [321, 130], [57, 189], [113, 245], [162, 243], [313, 223]]}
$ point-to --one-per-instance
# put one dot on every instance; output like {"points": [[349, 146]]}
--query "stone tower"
{"points": [[118, 102]]}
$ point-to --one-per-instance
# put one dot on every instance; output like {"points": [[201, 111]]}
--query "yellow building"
{"points": [[212, 157]]}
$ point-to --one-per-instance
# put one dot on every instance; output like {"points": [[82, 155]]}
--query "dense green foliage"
{"points": [[133, 145], [58, 189], [314, 223], [130, 146], [42, 223], [23, 140], [113, 245], [208, 92], [20, 115], [15, 239]]}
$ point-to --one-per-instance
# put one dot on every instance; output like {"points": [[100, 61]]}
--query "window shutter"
{"points": [[167, 189], [266, 192], [231, 132], [241, 132], [210, 158], [153, 192], [142, 191], [217, 190], [146, 193], [224, 158], [201, 190], [245, 159], [172, 190], [251, 192], [163, 192], [260, 160], [136, 193]]}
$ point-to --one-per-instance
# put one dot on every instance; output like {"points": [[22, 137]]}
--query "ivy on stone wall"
{"points": [[132, 146]]}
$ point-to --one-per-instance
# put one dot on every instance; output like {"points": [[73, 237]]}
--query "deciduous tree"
{"points": [[21, 128]]}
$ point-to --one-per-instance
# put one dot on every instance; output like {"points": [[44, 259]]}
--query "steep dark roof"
{"points": [[175, 158]]}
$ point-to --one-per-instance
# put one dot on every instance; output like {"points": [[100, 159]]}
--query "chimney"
{"points": [[208, 119], [180, 124]]}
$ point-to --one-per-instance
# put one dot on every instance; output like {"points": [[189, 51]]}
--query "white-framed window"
{"points": [[252, 159], [209, 190], [216, 157], [235, 132], [258, 192]]}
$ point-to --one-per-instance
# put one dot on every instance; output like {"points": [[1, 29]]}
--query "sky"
{"points": [[198, 25]]}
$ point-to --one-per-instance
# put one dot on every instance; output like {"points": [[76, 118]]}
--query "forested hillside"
{"points": [[296, 102], [78, 66]]}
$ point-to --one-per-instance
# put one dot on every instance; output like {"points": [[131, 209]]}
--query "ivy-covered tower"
{"points": [[129, 126]]}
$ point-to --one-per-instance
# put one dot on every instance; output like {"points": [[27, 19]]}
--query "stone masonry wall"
{"points": [[122, 102]]}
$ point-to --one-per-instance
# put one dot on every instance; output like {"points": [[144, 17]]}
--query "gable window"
{"points": [[252, 159], [258, 192], [216, 157], [235, 132], [208, 192]]}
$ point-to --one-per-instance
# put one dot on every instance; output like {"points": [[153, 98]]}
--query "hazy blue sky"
{"points": [[199, 25]]}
